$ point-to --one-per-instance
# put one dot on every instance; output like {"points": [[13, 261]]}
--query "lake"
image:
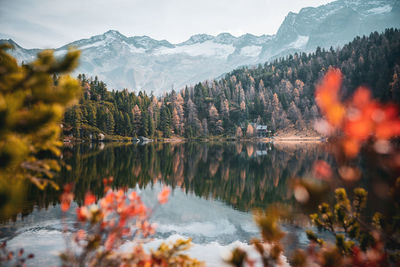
{"points": [[215, 186]]}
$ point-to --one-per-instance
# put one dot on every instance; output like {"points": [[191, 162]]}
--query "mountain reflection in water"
{"points": [[215, 186]]}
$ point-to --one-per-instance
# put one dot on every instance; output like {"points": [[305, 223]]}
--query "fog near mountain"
{"points": [[142, 63]]}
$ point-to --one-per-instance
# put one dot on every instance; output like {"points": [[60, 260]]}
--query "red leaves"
{"points": [[89, 199], [327, 97], [81, 214], [361, 97], [80, 235], [110, 241], [116, 211], [66, 198], [359, 119], [116, 216], [107, 183], [163, 196], [146, 228], [322, 170], [373, 257], [388, 129]]}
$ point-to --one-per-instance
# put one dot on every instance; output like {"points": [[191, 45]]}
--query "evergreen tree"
{"points": [[280, 93], [109, 123], [137, 121], [193, 122], [165, 124]]}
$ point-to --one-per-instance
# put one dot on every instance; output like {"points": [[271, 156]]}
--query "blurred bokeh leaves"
{"points": [[33, 98]]}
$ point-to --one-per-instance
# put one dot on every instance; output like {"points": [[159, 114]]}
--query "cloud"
{"points": [[52, 23]]}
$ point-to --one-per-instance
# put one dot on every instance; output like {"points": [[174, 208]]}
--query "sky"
{"points": [[53, 23]]}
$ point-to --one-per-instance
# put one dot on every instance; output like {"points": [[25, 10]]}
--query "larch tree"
{"points": [[215, 124], [250, 131]]}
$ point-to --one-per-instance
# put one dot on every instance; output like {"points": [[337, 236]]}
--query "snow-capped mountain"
{"points": [[334, 24], [143, 63]]}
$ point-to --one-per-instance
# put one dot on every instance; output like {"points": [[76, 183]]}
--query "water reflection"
{"points": [[215, 185], [243, 175]]}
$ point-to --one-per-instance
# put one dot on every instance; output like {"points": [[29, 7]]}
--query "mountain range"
{"points": [[143, 63]]}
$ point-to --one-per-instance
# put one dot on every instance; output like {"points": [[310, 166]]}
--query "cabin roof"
{"points": [[261, 127]]}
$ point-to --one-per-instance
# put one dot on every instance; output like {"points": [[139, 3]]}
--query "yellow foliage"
{"points": [[33, 98]]}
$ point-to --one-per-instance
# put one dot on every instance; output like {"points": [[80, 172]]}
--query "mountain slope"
{"points": [[280, 94], [143, 63]]}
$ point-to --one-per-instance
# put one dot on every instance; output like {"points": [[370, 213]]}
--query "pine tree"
{"points": [[145, 124], [77, 121], [204, 126], [137, 120], [127, 125], [92, 115], [193, 122], [151, 126], [165, 122], [176, 121]]}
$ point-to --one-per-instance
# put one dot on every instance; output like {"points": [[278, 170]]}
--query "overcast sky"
{"points": [[53, 23]]}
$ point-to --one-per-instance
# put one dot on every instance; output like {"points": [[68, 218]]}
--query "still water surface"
{"points": [[215, 187]]}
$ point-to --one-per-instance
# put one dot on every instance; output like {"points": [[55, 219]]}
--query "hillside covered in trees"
{"points": [[279, 94]]}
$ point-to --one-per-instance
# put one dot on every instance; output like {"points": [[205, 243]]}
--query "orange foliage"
{"points": [[322, 170], [89, 199], [114, 212], [359, 119], [327, 97], [163, 196], [105, 225], [66, 198]]}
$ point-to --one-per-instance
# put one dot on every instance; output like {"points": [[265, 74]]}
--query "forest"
{"points": [[279, 94], [350, 188]]}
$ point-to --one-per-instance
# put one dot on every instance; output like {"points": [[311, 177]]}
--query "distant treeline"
{"points": [[279, 94]]}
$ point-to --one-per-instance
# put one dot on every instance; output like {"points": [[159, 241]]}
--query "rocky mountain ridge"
{"points": [[143, 63]]}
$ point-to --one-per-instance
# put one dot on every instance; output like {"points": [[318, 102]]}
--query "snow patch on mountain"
{"points": [[136, 50], [300, 42], [93, 45], [380, 10], [250, 51], [206, 48]]}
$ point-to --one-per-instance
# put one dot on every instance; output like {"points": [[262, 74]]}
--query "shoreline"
{"points": [[298, 139], [273, 139]]}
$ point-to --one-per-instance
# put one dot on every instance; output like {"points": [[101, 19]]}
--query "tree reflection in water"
{"points": [[243, 175]]}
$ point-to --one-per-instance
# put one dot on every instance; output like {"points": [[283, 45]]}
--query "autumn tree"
{"points": [[245, 94], [294, 115], [215, 124], [250, 131], [239, 133]]}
